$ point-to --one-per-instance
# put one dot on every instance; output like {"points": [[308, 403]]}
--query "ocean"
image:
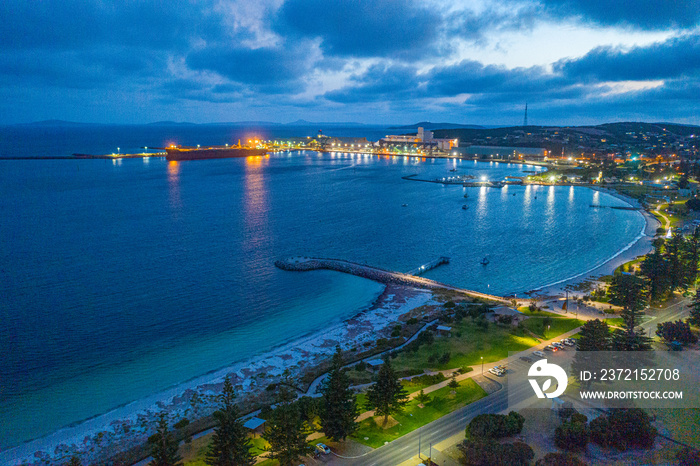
{"points": [[123, 278]]}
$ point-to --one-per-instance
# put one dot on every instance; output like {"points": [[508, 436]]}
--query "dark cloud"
{"points": [[679, 56], [79, 68], [267, 69], [644, 14], [362, 28], [77, 24], [380, 82]]}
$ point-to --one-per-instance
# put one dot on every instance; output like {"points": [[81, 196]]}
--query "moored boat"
{"points": [[195, 153]]}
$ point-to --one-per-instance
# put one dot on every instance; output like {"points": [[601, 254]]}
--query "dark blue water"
{"points": [[122, 278]]}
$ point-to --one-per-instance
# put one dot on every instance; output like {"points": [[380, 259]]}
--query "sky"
{"points": [[375, 62]]}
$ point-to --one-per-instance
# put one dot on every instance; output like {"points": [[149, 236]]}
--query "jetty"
{"points": [[429, 266], [596, 206], [303, 264]]}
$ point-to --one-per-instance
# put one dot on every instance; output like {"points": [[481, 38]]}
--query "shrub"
{"points": [[495, 426], [572, 436], [484, 452], [623, 428], [428, 379], [181, 423], [445, 358], [559, 459], [360, 366], [412, 321], [688, 457]]}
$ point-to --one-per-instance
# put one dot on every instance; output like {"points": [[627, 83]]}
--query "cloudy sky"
{"points": [[387, 61]]}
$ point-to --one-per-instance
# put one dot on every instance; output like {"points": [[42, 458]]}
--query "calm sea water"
{"points": [[121, 279]]}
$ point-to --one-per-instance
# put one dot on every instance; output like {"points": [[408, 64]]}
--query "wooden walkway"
{"points": [[429, 266]]}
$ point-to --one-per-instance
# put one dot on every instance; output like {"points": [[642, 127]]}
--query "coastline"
{"points": [[640, 246], [130, 425]]}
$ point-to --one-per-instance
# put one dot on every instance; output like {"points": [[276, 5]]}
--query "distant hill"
{"points": [[171, 123], [326, 123], [57, 123], [429, 126]]}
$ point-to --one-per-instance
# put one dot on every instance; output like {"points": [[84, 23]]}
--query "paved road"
{"points": [[450, 425]]}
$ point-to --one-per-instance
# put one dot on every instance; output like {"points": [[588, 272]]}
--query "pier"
{"points": [[429, 266], [595, 206], [302, 264]]}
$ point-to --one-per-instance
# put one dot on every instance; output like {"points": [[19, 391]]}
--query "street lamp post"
{"points": [[482, 365]]}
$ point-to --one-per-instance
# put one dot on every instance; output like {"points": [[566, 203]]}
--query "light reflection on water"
{"points": [[186, 254]]}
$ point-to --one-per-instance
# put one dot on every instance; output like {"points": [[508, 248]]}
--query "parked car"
{"points": [[321, 447], [557, 345], [525, 358], [538, 353]]}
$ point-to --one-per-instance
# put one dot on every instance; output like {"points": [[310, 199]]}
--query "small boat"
{"points": [[485, 261], [465, 207], [404, 205], [453, 170], [466, 196], [513, 194]]}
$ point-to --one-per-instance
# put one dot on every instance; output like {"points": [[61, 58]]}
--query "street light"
{"points": [[482, 365]]}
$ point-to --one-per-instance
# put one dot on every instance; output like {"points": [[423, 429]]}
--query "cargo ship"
{"points": [[196, 153]]}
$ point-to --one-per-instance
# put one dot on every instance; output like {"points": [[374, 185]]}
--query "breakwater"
{"points": [[304, 264]]}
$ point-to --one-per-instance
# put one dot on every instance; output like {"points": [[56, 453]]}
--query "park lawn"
{"points": [[556, 326], [618, 321], [412, 417], [467, 345], [681, 424], [418, 383], [195, 454], [539, 313]]}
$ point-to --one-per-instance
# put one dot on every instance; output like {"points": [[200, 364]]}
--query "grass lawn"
{"points": [[540, 313], [682, 424], [466, 346], [618, 321], [195, 454], [442, 402], [418, 383], [469, 343], [556, 326]]}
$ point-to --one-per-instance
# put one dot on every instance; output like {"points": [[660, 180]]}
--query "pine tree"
{"points": [[338, 405], [164, 446], [229, 445], [74, 461], [656, 269], [594, 336], [286, 433], [694, 318], [630, 292], [422, 397], [454, 385], [387, 395], [693, 255], [675, 254]]}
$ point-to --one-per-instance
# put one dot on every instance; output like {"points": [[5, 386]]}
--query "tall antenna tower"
{"points": [[525, 120]]}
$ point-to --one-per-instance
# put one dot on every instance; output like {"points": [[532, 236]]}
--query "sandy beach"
{"points": [[130, 425], [640, 246]]}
